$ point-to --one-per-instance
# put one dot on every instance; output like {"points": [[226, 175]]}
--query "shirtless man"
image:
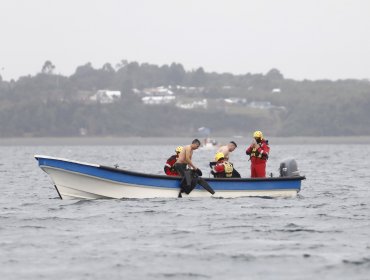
{"points": [[185, 156], [226, 149]]}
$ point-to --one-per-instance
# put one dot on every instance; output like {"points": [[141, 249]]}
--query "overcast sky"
{"points": [[304, 39]]}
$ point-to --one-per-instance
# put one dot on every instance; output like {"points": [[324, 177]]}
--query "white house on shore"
{"points": [[157, 91], [276, 90], [157, 100], [193, 105], [106, 96], [234, 100], [264, 105]]}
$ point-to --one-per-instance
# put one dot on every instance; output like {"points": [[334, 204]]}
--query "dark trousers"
{"points": [[180, 168]]}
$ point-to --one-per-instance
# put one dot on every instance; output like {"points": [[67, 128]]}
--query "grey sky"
{"points": [[311, 39]]}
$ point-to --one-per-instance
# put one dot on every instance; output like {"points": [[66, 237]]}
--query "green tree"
{"points": [[48, 68]]}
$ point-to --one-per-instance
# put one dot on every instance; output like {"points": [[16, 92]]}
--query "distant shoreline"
{"points": [[116, 141]]}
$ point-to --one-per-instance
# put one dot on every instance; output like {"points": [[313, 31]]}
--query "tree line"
{"points": [[47, 104]]}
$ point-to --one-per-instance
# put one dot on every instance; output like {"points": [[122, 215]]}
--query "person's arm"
{"points": [[249, 150], [253, 145], [264, 150]]}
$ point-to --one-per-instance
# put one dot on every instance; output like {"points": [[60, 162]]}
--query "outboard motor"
{"points": [[289, 168]]}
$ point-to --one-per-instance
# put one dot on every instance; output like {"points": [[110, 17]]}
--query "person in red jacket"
{"points": [[222, 168], [169, 166], [259, 153]]}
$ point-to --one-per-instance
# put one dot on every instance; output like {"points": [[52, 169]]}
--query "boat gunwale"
{"points": [[118, 170], [166, 177]]}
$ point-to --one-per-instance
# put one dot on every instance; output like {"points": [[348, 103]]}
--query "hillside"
{"points": [[135, 99]]}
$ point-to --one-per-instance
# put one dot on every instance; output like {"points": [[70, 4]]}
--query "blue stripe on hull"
{"points": [[123, 176]]}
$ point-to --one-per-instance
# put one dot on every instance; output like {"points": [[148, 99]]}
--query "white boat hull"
{"points": [[72, 185]]}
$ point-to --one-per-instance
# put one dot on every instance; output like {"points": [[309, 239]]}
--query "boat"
{"points": [[209, 144], [79, 180]]}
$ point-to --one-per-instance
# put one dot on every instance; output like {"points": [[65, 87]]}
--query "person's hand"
{"points": [[199, 172]]}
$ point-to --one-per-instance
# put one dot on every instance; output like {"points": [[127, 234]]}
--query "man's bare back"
{"points": [[225, 151], [187, 153]]}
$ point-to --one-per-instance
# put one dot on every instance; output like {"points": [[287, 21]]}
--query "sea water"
{"points": [[324, 233]]}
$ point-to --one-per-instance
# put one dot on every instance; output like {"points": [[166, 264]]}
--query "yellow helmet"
{"points": [[178, 149], [258, 134], [218, 156]]}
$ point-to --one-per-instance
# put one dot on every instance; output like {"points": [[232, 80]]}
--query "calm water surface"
{"points": [[324, 233]]}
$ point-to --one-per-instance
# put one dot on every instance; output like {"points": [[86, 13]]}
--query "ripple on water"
{"points": [[320, 234], [358, 262]]}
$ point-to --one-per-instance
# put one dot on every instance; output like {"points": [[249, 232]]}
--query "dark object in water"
{"points": [[191, 179]]}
